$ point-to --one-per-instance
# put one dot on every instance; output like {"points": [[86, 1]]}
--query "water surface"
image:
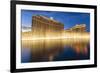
{"points": [[55, 50]]}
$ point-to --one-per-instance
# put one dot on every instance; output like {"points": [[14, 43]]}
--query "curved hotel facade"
{"points": [[46, 27]]}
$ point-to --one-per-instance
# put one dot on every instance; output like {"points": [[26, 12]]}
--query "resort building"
{"points": [[77, 28], [43, 26]]}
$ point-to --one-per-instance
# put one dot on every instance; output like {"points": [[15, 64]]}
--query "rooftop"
{"points": [[49, 18]]}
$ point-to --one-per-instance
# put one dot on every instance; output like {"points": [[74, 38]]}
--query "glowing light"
{"points": [[64, 36]]}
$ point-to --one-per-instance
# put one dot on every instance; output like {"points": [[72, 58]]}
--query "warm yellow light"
{"points": [[65, 36]]}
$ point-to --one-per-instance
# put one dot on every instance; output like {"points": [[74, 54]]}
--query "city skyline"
{"points": [[69, 19]]}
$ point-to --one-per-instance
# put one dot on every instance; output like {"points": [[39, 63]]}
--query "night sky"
{"points": [[69, 19]]}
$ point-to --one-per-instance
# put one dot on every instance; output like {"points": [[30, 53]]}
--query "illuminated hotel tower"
{"points": [[46, 27], [77, 28]]}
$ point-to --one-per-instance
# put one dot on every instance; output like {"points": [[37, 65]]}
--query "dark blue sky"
{"points": [[69, 19]]}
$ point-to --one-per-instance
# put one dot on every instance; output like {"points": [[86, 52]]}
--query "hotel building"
{"points": [[77, 28], [43, 26]]}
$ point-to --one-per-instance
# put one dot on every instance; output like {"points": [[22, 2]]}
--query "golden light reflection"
{"points": [[49, 48], [48, 38], [30, 36]]}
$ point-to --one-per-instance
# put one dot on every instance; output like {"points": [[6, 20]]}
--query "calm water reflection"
{"points": [[55, 50]]}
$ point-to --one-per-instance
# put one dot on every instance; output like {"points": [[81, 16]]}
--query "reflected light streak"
{"points": [[67, 36]]}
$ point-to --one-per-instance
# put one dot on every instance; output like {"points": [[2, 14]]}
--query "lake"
{"points": [[55, 50]]}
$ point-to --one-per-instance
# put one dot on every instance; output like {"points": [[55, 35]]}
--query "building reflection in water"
{"points": [[49, 41], [55, 50]]}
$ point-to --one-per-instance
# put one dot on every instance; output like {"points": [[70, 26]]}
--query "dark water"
{"points": [[55, 50]]}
